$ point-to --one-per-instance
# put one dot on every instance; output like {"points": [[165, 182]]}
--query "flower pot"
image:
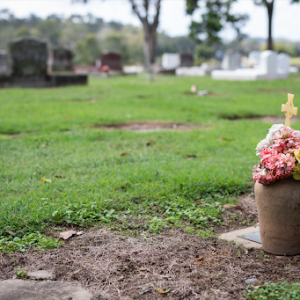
{"points": [[278, 207]]}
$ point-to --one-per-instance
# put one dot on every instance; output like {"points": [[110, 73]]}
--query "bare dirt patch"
{"points": [[149, 126], [254, 117], [277, 120], [117, 266], [207, 95], [274, 91]]}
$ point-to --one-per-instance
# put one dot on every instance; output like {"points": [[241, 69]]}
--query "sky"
{"points": [[173, 20]]}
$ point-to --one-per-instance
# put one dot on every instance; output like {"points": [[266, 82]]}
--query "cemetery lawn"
{"points": [[59, 166], [66, 163]]}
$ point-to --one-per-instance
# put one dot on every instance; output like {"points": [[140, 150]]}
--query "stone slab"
{"points": [[252, 236], [42, 290], [41, 274], [233, 236]]}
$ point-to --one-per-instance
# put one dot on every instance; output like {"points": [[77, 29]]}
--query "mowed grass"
{"points": [[180, 179]]}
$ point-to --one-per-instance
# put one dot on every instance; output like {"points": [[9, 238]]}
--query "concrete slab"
{"points": [[44, 290], [42, 275], [233, 236]]}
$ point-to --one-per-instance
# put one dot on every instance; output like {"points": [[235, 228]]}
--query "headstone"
{"points": [[3, 62], [186, 60], [28, 57], [61, 60], [170, 61], [190, 71], [268, 63], [231, 60], [133, 69], [267, 70], [253, 57], [283, 63], [112, 60]]}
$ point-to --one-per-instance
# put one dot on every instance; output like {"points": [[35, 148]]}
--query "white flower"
{"points": [[269, 138]]}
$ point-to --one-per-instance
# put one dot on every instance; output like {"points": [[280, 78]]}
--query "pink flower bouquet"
{"points": [[279, 155]]}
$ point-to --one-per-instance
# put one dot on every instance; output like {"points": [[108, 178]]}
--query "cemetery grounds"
{"points": [[149, 202]]}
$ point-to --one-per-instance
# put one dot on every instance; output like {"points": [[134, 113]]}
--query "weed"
{"points": [[21, 273], [37, 241], [274, 291]]}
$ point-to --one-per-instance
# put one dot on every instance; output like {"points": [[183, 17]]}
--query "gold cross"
{"points": [[289, 110]]}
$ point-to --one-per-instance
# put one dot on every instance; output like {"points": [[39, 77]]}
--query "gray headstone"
{"points": [[61, 60], [254, 57], [252, 236], [186, 60], [231, 60], [28, 57], [3, 62]]}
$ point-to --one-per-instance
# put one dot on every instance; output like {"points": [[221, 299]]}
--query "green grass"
{"points": [[274, 291], [51, 133]]}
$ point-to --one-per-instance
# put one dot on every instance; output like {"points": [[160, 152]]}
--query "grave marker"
{"points": [[186, 60], [112, 60], [3, 62], [61, 60], [231, 60], [289, 110], [28, 57], [170, 61]]}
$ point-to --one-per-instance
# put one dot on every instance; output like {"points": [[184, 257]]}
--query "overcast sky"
{"points": [[173, 19]]}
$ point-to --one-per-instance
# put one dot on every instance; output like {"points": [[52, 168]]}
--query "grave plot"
{"points": [[146, 210], [172, 264], [149, 126]]}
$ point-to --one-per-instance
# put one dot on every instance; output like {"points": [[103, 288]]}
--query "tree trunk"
{"points": [[149, 47], [270, 7]]}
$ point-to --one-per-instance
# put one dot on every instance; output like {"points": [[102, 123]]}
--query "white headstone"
{"points": [[267, 70], [283, 63], [253, 57], [170, 61], [231, 60], [268, 63]]}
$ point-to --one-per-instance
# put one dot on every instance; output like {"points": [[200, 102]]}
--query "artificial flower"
{"points": [[279, 155]]}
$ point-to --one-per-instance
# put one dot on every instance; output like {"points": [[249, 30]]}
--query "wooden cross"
{"points": [[289, 110]]}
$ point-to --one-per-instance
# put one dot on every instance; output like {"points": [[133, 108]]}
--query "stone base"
{"points": [[234, 236], [55, 80], [44, 290]]}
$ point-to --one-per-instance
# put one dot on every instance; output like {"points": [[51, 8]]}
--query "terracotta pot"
{"points": [[278, 207]]}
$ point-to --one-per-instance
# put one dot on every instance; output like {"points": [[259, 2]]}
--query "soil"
{"points": [[274, 91], [274, 120], [114, 265], [207, 95], [266, 119], [149, 126]]}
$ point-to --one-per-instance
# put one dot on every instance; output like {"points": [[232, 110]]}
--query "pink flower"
{"points": [[276, 161]]}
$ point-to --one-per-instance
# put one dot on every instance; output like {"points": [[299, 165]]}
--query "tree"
{"points": [[149, 26], [87, 50], [216, 14], [212, 20], [269, 4], [148, 11], [50, 30]]}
